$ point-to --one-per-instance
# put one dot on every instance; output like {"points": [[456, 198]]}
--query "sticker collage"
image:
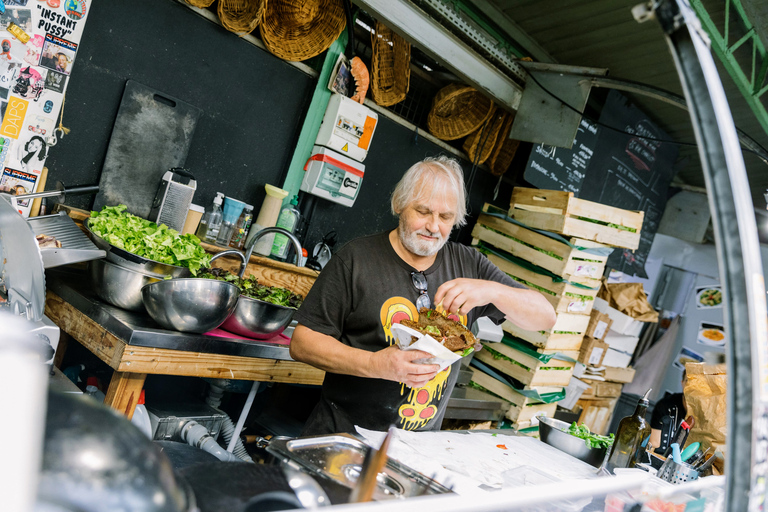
{"points": [[39, 40]]}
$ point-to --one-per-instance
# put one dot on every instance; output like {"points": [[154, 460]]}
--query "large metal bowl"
{"points": [[118, 285], [190, 305], [132, 261], [257, 319], [554, 433]]}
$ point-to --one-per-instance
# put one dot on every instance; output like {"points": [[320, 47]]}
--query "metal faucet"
{"points": [[252, 241]]}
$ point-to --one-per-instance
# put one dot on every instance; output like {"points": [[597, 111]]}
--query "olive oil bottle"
{"points": [[631, 439]]}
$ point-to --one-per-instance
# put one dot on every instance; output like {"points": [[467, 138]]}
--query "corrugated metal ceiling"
{"points": [[603, 33]]}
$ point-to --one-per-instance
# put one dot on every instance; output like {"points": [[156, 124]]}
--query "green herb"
{"points": [[592, 440], [499, 355], [250, 287], [148, 240], [556, 368], [566, 332], [585, 298], [585, 259], [531, 285], [605, 223], [548, 253], [431, 329]]}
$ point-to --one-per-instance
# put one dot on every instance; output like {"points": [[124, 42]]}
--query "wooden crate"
{"points": [[541, 250], [596, 414], [527, 369], [560, 212], [600, 389], [564, 297], [522, 408], [567, 333]]}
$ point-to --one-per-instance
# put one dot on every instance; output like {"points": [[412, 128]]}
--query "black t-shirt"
{"points": [[362, 291], [666, 417]]}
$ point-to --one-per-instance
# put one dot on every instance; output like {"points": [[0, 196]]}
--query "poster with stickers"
{"points": [[38, 49]]}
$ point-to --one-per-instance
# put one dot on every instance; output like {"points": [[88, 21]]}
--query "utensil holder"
{"points": [[675, 473]]}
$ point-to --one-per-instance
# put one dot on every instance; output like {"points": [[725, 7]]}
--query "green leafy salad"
{"points": [[148, 240], [592, 440], [250, 287]]}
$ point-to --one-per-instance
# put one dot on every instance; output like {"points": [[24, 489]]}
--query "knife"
{"points": [[372, 465]]}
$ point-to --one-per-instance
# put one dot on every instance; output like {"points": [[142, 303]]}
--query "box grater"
{"points": [[173, 197]]}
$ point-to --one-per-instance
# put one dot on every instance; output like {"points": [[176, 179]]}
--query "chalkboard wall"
{"points": [[253, 105]]}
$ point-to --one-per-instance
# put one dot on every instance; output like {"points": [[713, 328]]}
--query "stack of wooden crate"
{"points": [[524, 243]]}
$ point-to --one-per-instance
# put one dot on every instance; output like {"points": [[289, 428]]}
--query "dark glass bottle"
{"points": [[631, 438]]}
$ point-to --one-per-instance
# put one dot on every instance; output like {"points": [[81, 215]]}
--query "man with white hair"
{"points": [[376, 281]]}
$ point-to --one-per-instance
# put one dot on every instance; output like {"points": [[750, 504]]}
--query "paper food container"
{"points": [[442, 356]]}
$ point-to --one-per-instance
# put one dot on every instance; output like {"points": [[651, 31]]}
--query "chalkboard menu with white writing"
{"points": [[627, 167]]}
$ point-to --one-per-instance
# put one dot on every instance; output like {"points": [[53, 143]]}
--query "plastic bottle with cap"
{"points": [[242, 227], [211, 221], [232, 210], [92, 389], [140, 417], [288, 220]]}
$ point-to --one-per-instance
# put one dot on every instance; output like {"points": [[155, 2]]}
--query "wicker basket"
{"points": [[485, 136], [199, 3], [241, 16], [457, 111], [504, 149], [297, 30], [390, 66]]}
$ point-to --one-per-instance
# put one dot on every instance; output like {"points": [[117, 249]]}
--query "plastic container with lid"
{"points": [[267, 218], [140, 417], [232, 210], [288, 220]]}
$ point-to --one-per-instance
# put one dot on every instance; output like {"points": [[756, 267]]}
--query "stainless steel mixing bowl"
{"points": [[257, 319], [554, 433], [190, 305], [118, 285]]}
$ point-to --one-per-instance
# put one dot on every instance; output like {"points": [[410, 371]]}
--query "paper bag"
{"points": [[405, 340], [630, 299], [705, 399]]}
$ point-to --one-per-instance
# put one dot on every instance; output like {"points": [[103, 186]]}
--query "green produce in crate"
{"points": [[592, 440], [148, 240]]}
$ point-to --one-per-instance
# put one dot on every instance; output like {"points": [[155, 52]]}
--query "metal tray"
{"points": [[75, 246], [132, 261], [340, 457]]}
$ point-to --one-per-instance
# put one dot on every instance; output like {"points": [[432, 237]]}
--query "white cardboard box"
{"points": [[622, 324], [616, 358], [622, 342]]}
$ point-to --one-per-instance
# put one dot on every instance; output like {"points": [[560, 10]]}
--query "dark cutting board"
{"points": [[152, 133]]}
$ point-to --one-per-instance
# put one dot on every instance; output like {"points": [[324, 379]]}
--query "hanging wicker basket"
{"points": [[483, 140], [241, 16], [457, 111], [504, 149], [390, 66], [297, 30], [199, 3]]}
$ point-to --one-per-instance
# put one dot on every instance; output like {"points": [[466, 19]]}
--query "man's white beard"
{"points": [[419, 247]]}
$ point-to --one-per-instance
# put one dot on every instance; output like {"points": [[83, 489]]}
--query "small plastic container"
{"points": [[573, 392], [92, 389], [140, 417], [232, 210], [209, 226]]}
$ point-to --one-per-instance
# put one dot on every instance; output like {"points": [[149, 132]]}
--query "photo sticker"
{"points": [[55, 81], [58, 54], [711, 334], [709, 297], [20, 17], [17, 183]]}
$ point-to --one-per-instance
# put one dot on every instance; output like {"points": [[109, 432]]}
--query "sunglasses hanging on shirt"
{"points": [[419, 281]]}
